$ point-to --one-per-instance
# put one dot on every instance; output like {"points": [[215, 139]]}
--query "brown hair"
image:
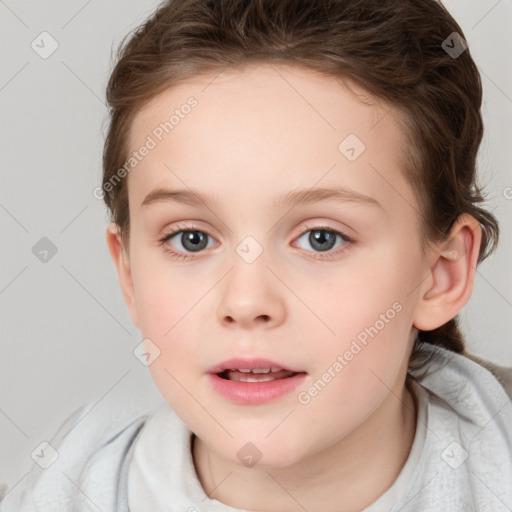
{"points": [[391, 48]]}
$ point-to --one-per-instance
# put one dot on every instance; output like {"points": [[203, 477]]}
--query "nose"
{"points": [[251, 297]]}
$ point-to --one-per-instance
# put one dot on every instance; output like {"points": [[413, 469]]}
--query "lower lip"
{"points": [[253, 393]]}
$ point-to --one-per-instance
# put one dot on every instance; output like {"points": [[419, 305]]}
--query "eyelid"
{"points": [[193, 225], [323, 225], [178, 228]]}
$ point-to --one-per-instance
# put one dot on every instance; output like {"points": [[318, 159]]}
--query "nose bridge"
{"points": [[248, 278], [250, 250], [250, 292]]}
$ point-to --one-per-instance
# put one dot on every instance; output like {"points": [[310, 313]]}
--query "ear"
{"points": [[452, 272], [122, 263]]}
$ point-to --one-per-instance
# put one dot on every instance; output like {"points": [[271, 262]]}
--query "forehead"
{"points": [[262, 130]]}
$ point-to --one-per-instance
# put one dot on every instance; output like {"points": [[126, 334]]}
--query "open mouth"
{"points": [[254, 381], [256, 375]]}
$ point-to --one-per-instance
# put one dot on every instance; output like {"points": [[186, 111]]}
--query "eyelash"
{"points": [[326, 255]]}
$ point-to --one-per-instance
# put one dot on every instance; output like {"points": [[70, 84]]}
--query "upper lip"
{"points": [[249, 363]]}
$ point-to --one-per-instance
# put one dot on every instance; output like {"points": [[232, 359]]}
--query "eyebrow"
{"points": [[290, 199]]}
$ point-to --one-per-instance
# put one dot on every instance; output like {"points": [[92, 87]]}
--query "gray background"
{"points": [[67, 337]]}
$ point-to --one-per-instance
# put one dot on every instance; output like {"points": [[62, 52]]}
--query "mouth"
{"points": [[253, 370], [254, 381], [256, 374]]}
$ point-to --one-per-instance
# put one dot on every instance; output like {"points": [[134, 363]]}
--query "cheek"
{"points": [[169, 308], [354, 373], [353, 299], [163, 297], [364, 342], [167, 318]]}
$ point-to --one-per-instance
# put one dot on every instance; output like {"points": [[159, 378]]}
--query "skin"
{"points": [[256, 133]]}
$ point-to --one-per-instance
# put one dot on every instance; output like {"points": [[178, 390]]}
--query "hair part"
{"points": [[392, 49]]}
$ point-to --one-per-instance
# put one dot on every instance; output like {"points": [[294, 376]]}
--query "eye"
{"points": [[323, 239], [185, 240]]}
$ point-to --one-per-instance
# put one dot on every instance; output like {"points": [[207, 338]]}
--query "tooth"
{"points": [[244, 370], [274, 369], [261, 370], [248, 378], [266, 379]]}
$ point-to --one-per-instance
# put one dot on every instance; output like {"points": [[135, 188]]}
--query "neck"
{"points": [[347, 476]]}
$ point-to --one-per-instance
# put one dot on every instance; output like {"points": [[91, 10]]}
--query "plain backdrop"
{"points": [[66, 335]]}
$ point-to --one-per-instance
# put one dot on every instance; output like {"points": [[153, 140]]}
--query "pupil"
{"points": [[319, 237], [195, 238]]}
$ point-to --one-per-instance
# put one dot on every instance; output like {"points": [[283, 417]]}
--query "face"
{"points": [[326, 287]]}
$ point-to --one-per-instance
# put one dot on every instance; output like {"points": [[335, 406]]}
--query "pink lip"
{"points": [[249, 363], [253, 393]]}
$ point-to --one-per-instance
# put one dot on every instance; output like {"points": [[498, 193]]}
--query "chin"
{"points": [[262, 454]]}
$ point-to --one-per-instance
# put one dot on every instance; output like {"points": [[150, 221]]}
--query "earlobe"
{"points": [[122, 264], [452, 275]]}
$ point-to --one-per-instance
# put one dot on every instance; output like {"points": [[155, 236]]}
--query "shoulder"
{"points": [[502, 374], [445, 367], [470, 401], [468, 444], [81, 460]]}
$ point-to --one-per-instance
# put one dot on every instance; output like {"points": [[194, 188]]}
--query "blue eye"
{"points": [[321, 239], [191, 240]]}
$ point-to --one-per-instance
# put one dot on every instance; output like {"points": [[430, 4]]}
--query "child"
{"points": [[244, 136]]}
